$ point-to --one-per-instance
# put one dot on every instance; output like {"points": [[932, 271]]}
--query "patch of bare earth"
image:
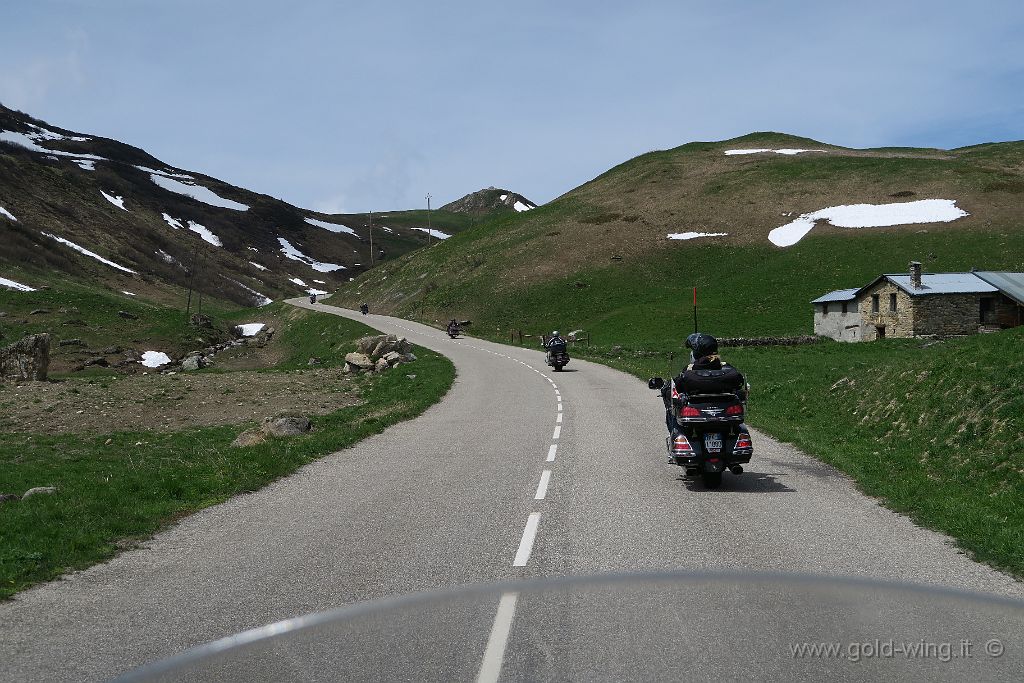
{"points": [[170, 402]]}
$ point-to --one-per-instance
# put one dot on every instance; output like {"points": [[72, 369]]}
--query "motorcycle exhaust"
{"points": [[736, 469]]}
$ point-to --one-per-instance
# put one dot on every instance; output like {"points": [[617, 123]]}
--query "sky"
{"points": [[345, 107]]}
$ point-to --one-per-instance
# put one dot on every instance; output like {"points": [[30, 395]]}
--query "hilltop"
{"points": [[490, 201], [103, 212]]}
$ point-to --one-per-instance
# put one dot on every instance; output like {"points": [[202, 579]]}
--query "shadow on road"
{"points": [[748, 482], [815, 469]]}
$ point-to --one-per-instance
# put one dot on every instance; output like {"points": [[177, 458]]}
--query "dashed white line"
{"points": [[494, 655], [559, 418], [558, 432], [526, 544], [551, 452], [542, 487]]}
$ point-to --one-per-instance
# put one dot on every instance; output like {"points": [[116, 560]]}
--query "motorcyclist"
{"points": [[312, 297], [706, 374], [364, 308], [554, 344], [453, 326]]}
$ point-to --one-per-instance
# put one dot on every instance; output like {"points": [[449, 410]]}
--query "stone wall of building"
{"points": [[898, 323], [833, 323], [28, 359], [948, 314]]}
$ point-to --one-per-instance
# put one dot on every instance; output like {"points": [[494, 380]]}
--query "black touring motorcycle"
{"points": [[709, 436]]}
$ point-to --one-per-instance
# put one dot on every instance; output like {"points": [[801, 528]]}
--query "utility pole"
{"points": [[371, 239], [191, 280], [428, 219]]}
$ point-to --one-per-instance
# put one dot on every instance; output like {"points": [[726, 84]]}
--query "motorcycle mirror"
{"points": [[655, 383]]}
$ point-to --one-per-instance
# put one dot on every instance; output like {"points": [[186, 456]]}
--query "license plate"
{"points": [[713, 442]]}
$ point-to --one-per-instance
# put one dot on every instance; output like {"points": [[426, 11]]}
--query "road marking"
{"points": [[494, 654], [526, 544], [558, 432], [551, 452], [559, 419], [559, 406], [542, 487]]}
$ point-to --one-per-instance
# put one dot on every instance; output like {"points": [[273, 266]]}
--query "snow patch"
{"points": [[250, 329], [694, 235], [154, 359], [173, 222], [203, 232], [85, 164], [183, 176], [47, 134], [83, 250], [258, 266], [197, 192], [318, 292], [520, 206], [16, 285], [434, 233], [116, 200], [298, 281], [333, 227], [869, 216], [5, 212], [503, 197], [786, 151], [28, 142], [320, 282], [129, 293], [167, 258], [385, 228], [294, 254], [261, 300]]}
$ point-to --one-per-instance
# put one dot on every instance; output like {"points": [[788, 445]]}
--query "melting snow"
{"points": [[320, 282], [173, 222], [5, 212], [383, 227], [197, 192], [261, 300], [128, 293], [435, 233], [294, 254], [869, 216], [16, 285], [154, 359], [47, 134], [184, 176], [250, 329], [86, 164], [253, 249], [790, 152], [318, 292], [693, 235], [165, 256], [83, 250], [203, 232], [503, 197], [520, 206], [28, 142], [116, 200], [258, 266], [333, 227], [298, 281]]}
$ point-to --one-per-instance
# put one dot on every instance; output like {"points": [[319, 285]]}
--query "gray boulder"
{"points": [[392, 357], [360, 360], [193, 362], [409, 357], [381, 366], [48, 490], [250, 437], [285, 426]]}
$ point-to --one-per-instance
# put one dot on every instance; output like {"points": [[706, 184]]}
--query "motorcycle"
{"points": [[454, 328], [558, 357], [709, 436], [364, 309]]}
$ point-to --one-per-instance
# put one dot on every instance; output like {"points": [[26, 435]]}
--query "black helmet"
{"points": [[702, 344]]}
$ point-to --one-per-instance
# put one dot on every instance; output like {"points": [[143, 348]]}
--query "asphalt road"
{"points": [[518, 473]]}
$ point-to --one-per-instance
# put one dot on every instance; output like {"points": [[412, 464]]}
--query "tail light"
{"points": [[743, 441], [681, 446], [735, 409], [690, 411]]}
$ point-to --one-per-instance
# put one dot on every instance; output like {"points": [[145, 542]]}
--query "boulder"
{"points": [[127, 315], [28, 359], [409, 357], [285, 426], [392, 357], [365, 345], [360, 360], [404, 347], [9, 497], [48, 490], [315, 361], [250, 437], [193, 362], [381, 366]]}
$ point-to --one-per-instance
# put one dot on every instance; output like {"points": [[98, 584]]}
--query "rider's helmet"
{"points": [[555, 333], [701, 345]]}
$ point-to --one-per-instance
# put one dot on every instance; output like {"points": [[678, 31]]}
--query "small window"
{"points": [[892, 302], [824, 308], [845, 308], [874, 303]]}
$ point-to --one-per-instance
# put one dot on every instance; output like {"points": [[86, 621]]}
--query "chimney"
{"points": [[915, 274]]}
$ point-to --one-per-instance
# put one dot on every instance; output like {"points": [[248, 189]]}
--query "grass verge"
{"points": [[113, 494]]}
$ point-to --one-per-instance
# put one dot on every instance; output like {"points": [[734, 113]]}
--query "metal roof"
{"points": [[1010, 284], [942, 283], [838, 295]]}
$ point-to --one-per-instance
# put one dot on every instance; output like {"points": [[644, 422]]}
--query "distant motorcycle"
{"points": [[709, 435], [364, 309], [558, 356], [454, 328], [312, 298]]}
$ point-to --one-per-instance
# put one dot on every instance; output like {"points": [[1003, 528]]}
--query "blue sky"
{"points": [[344, 106]]}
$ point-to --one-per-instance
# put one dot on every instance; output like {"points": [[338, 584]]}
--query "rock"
{"points": [[404, 347], [38, 311], [392, 357], [49, 490], [360, 360], [96, 360], [285, 426], [315, 361], [193, 362], [409, 357], [3, 314], [616, 349], [28, 359], [127, 315], [71, 342], [366, 344], [9, 497], [250, 437], [110, 350], [381, 366], [349, 368], [411, 376]]}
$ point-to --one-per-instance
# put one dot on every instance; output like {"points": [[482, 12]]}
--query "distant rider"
{"points": [[312, 297], [706, 374], [554, 344], [453, 326]]}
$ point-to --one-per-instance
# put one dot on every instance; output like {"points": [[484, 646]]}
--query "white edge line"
{"points": [[551, 452], [494, 654], [526, 544], [542, 487]]}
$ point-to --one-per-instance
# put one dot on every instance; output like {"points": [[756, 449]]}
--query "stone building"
{"points": [[922, 304]]}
